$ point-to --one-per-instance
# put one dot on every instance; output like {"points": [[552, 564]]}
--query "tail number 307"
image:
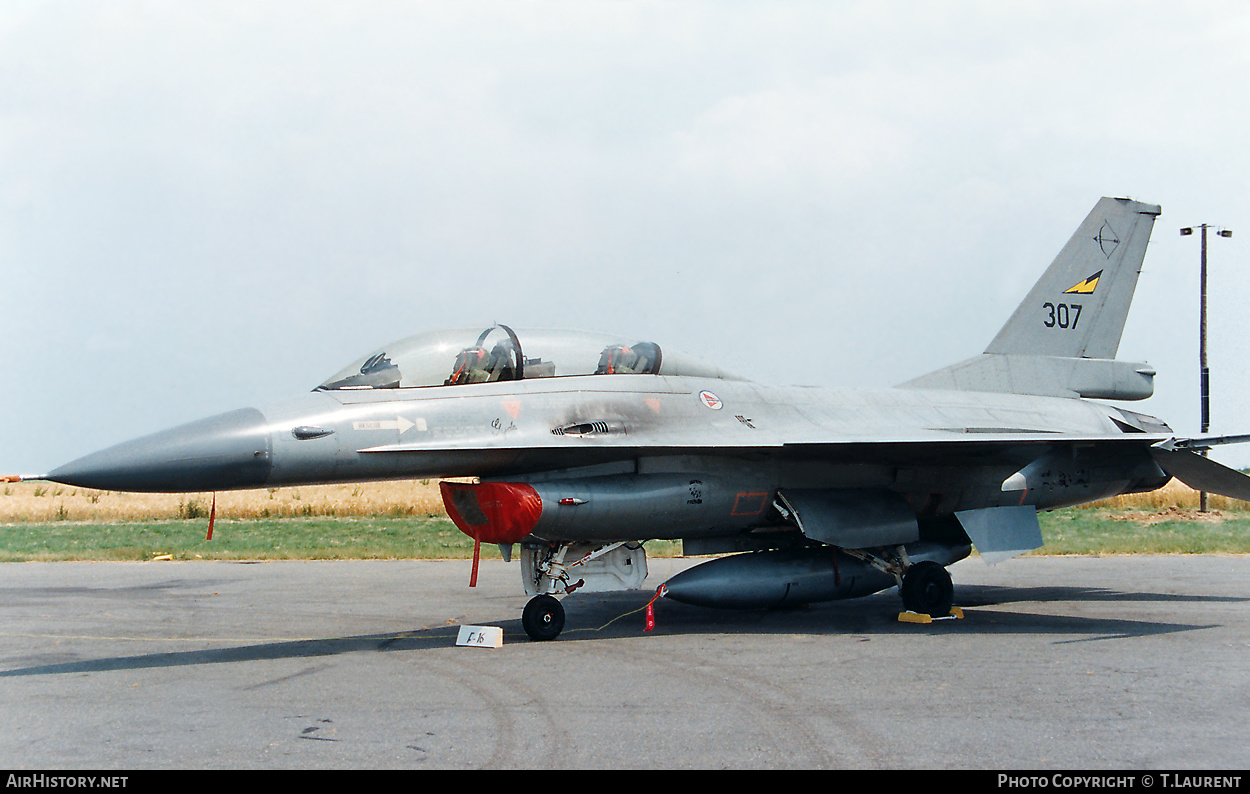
{"points": [[1063, 315]]}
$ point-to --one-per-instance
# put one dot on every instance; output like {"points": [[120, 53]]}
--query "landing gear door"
{"points": [[1000, 533], [588, 567], [852, 519]]}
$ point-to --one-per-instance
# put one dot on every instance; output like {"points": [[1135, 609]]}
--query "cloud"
{"points": [[254, 193], [826, 132]]}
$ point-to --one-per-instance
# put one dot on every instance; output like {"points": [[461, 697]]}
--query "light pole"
{"points": [[1205, 372]]}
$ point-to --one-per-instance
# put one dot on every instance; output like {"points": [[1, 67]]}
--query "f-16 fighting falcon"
{"points": [[578, 448]]}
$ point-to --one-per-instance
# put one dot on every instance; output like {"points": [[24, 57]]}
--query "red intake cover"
{"points": [[492, 512]]}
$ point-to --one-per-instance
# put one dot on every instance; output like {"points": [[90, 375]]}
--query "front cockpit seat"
{"points": [[470, 367]]}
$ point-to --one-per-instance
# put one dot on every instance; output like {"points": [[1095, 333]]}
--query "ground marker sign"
{"points": [[480, 637]]}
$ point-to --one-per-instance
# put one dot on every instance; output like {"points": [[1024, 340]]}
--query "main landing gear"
{"points": [[925, 586]]}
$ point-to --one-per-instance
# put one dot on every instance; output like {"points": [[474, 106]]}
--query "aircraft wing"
{"points": [[1179, 458], [578, 452]]}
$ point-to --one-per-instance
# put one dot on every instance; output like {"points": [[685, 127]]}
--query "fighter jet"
{"points": [[579, 448]]}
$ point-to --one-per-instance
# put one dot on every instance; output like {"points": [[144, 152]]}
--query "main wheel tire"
{"points": [[927, 589], [543, 618]]}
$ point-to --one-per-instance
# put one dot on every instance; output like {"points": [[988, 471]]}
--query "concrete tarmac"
{"points": [[1059, 663]]}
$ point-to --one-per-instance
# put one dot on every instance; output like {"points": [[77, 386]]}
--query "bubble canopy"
{"points": [[498, 353]]}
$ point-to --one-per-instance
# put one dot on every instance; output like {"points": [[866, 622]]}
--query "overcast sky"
{"points": [[208, 205]]}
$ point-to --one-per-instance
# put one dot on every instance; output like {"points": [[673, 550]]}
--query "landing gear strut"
{"points": [[925, 586], [552, 569], [543, 616]]}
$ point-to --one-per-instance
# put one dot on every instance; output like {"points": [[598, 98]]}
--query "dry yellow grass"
{"points": [[44, 501], [1174, 497]]}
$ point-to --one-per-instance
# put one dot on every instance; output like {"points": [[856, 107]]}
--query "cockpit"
{"points": [[498, 353]]}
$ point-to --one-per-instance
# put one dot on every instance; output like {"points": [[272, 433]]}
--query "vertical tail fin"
{"points": [[1063, 338], [1078, 308]]}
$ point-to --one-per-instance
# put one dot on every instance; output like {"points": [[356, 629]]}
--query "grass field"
{"points": [[43, 501], [406, 520]]}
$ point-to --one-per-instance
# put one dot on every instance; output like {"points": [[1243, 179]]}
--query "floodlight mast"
{"points": [[1204, 371]]}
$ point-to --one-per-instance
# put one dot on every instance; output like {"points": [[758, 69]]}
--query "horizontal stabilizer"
{"points": [[1000, 533], [1203, 474]]}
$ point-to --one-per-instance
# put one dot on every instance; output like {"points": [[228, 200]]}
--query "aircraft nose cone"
{"points": [[231, 450]]}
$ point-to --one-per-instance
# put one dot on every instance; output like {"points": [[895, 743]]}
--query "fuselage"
{"points": [[731, 437]]}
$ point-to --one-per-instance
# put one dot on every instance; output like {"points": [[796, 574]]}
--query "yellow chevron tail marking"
{"points": [[1086, 287]]}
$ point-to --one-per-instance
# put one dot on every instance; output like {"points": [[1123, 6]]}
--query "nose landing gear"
{"points": [[547, 572]]}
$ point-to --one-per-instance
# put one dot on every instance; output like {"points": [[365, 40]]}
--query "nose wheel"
{"points": [[543, 618]]}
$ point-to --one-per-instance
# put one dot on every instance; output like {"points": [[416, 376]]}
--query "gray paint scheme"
{"points": [[804, 476], [232, 450]]}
